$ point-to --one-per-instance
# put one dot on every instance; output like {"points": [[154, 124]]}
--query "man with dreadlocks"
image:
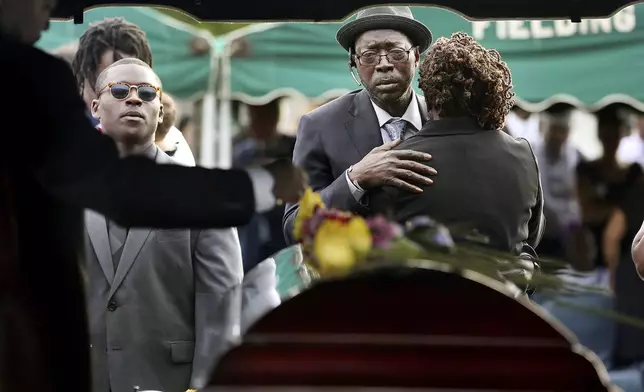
{"points": [[106, 42], [59, 166], [489, 181]]}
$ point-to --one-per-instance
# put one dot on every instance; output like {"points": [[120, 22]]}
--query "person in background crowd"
{"points": [[345, 146], [58, 166], [169, 118], [491, 180], [262, 237], [602, 183], [171, 147], [261, 140], [631, 148], [188, 129], [521, 123], [102, 44], [557, 165], [622, 227]]}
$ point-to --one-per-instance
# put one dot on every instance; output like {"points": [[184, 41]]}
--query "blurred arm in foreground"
{"points": [[82, 167]]}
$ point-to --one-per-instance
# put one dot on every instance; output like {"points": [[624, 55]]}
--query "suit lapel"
{"points": [[96, 227], [363, 128], [135, 240]]}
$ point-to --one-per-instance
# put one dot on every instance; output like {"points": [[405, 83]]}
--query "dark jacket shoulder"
{"points": [[31, 60], [328, 115], [338, 105]]}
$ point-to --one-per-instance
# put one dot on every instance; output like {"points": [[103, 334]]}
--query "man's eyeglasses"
{"points": [[371, 58], [122, 90]]}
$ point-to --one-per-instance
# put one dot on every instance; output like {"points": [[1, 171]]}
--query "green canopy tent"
{"points": [[589, 64], [185, 73], [186, 70]]}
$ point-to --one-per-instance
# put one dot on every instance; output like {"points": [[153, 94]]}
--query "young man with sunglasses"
{"points": [[168, 292], [102, 44], [59, 166]]}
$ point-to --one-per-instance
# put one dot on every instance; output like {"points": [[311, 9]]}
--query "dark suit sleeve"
{"points": [[537, 222], [309, 154], [382, 201], [81, 166]]}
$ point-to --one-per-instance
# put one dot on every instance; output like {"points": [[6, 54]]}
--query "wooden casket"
{"points": [[409, 329]]}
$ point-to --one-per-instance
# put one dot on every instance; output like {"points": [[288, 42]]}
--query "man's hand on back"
{"points": [[384, 166]]}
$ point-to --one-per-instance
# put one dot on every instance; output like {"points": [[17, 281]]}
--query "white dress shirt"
{"points": [[183, 155], [411, 115], [631, 149]]}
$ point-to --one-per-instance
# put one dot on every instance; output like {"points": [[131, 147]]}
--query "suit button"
{"points": [[111, 306]]}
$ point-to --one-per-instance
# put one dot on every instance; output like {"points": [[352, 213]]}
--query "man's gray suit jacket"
{"points": [[329, 140], [172, 306]]}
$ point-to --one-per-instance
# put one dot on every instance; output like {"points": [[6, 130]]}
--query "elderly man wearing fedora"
{"points": [[345, 146]]}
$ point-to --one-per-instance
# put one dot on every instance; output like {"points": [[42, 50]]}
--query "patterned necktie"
{"points": [[395, 128]]}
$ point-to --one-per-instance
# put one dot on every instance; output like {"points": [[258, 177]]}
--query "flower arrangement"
{"points": [[336, 243]]}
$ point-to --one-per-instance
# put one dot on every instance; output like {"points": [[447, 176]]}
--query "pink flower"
{"points": [[383, 231], [310, 226]]}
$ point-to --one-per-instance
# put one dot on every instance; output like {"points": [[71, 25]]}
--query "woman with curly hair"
{"points": [[488, 181]]}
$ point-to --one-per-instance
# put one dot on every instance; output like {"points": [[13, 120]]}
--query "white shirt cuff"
{"points": [[357, 192], [263, 184]]}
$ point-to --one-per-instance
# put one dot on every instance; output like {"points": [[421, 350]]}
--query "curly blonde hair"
{"points": [[459, 78]]}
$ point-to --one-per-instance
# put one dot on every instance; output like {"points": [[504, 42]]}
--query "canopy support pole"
{"points": [[208, 130], [207, 151], [225, 139]]}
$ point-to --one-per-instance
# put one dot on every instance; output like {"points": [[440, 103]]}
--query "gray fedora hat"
{"points": [[388, 17]]}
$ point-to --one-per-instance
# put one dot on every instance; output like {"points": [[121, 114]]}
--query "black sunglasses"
{"points": [[121, 90]]}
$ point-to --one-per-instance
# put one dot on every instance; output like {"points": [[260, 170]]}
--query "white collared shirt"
{"points": [[411, 115], [183, 155], [631, 149]]}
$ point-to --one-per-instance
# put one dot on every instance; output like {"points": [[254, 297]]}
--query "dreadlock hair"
{"points": [[460, 78], [114, 34]]}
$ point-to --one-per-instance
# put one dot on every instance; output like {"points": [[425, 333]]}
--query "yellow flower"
{"points": [[332, 249], [359, 235], [309, 202], [338, 245]]}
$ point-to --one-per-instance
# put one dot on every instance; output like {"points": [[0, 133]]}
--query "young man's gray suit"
{"points": [[162, 313]]}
